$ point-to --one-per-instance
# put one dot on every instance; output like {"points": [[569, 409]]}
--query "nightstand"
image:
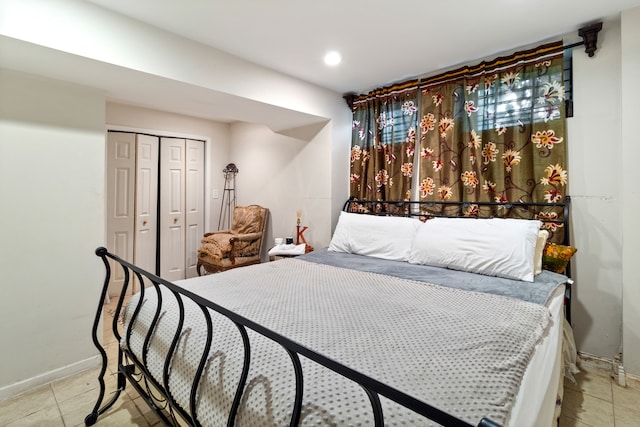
{"points": [[288, 251]]}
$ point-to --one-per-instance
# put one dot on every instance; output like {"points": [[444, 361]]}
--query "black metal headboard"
{"points": [[554, 217]]}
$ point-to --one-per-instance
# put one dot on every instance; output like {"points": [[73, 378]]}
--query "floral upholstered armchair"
{"points": [[241, 245]]}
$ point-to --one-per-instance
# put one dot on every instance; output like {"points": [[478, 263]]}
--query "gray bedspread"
{"points": [[440, 345], [537, 292]]}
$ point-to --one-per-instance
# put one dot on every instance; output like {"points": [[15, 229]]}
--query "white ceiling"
{"points": [[381, 42]]}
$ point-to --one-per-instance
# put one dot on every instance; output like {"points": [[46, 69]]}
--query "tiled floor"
{"points": [[67, 402], [595, 401], [598, 401]]}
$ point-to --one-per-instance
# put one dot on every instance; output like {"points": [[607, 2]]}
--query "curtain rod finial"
{"points": [[590, 36], [349, 98]]}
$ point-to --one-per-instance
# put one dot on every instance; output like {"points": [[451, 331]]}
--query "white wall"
{"points": [[88, 31], [630, 155], [286, 174], [52, 192], [595, 175], [603, 154]]}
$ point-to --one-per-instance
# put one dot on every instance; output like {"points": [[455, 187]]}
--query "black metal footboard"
{"points": [[158, 393]]}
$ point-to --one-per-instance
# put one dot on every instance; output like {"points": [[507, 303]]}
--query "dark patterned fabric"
{"points": [[496, 131], [383, 143], [493, 132]]}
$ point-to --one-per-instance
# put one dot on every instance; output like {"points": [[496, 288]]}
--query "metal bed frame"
{"points": [[555, 215], [158, 395]]}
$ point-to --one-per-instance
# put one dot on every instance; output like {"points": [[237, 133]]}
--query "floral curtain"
{"points": [[383, 143], [495, 132]]}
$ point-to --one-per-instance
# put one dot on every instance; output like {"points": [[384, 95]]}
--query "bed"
{"points": [[364, 332]]}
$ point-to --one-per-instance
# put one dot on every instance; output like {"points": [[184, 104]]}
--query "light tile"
{"points": [[109, 339], [151, 417], [47, 417], [571, 422], [124, 413], [26, 404], [633, 382], [131, 391], [586, 408], [112, 365], [592, 384], [626, 397], [69, 387], [75, 409], [112, 350], [626, 417]]}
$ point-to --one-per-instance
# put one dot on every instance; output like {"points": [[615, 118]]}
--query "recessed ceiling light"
{"points": [[332, 58]]}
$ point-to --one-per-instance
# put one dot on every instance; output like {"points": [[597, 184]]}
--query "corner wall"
{"points": [[52, 155], [286, 174], [630, 155], [595, 176]]}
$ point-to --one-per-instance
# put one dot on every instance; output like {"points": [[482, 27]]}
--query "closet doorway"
{"points": [[155, 203]]}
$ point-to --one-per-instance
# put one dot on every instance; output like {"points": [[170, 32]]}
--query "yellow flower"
{"points": [[545, 138], [511, 158], [445, 125], [555, 176]]}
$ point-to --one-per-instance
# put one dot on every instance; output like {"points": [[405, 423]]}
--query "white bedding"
{"points": [[536, 400], [293, 297]]}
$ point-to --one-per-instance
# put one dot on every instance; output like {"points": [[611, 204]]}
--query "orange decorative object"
{"points": [[300, 236]]}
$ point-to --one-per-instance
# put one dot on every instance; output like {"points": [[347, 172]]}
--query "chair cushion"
{"points": [[217, 246], [248, 219]]}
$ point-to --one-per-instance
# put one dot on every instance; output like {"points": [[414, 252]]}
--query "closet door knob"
{"points": [[144, 222], [175, 220]]}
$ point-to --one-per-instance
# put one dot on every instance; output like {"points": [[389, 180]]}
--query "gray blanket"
{"points": [[440, 345], [537, 291]]}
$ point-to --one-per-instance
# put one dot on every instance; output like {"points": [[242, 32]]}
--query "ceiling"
{"points": [[381, 42]]}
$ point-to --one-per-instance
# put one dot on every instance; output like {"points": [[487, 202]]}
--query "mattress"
{"points": [[535, 402], [376, 324]]}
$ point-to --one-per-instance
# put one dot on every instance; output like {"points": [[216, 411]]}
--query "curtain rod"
{"points": [[589, 36]]}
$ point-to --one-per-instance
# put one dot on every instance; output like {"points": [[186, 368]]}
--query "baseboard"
{"points": [[597, 362], [611, 367], [18, 388]]}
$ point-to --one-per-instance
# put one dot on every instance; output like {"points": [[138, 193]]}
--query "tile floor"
{"points": [[594, 401], [67, 402]]}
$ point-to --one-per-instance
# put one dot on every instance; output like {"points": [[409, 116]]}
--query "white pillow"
{"points": [[386, 237], [541, 242], [493, 247]]}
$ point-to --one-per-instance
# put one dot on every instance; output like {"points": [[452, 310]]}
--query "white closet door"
{"points": [[172, 208], [194, 203], [146, 202], [121, 154]]}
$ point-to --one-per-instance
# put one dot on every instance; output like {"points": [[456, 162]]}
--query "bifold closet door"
{"points": [[121, 164], [172, 208], [154, 185], [194, 203], [132, 202], [181, 206], [146, 222]]}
